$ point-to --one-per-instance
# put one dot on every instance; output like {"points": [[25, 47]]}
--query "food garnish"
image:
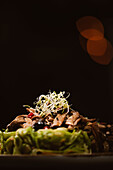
{"points": [[52, 126]]}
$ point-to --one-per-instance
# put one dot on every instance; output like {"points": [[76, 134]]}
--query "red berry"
{"points": [[30, 115], [46, 127]]}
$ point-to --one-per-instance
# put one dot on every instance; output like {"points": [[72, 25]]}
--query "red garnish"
{"points": [[46, 127], [30, 115]]}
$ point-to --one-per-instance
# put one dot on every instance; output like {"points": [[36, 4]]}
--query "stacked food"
{"points": [[52, 126]]}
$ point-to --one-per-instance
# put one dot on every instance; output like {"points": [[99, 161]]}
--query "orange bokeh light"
{"points": [[97, 47], [92, 40], [106, 58], [90, 28], [92, 34]]}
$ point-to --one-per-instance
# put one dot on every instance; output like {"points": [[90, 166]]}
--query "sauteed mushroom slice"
{"points": [[85, 119], [16, 123], [74, 119], [28, 122], [59, 119]]}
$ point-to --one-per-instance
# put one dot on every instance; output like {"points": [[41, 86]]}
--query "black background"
{"points": [[40, 50]]}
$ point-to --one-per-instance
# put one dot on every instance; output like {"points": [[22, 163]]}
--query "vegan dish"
{"points": [[52, 126]]}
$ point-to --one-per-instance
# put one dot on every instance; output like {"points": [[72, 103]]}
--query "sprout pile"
{"points": [[51, 103]]}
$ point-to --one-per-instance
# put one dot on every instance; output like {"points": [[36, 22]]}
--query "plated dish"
{"points": [[52, 126]]}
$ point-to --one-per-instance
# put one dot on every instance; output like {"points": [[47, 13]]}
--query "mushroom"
{"points": [[74, 119], [17, 123], [59, 119]]}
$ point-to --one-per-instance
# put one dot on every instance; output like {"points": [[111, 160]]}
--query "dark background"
{"points": [[40, 50]]}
